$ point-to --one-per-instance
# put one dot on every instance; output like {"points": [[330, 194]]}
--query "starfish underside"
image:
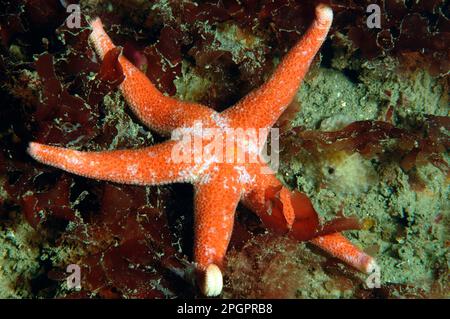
{"points": [[219, 185]]}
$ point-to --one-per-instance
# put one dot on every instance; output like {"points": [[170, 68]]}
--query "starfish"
{"points": [[219, 184]]}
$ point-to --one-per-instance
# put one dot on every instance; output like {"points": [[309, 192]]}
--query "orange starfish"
{"points": [[219, 184]]}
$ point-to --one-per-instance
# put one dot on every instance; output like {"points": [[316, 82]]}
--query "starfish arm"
{"points": [[335, 244], [215, 204], [262, 107], [214, 217], [160, 112], [340, 247], [146, 166]]}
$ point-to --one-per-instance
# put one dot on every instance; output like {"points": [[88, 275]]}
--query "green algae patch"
{"points": [[409, 227], [329, 100], [19, 257]]}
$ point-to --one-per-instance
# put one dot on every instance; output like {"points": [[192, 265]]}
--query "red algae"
{"points": [[54, 202], [306, 224], [415, 147], [129, 248], [117, 234], [57, 102], [268, 266]]}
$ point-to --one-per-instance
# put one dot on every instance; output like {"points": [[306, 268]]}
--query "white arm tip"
{"points": [[213, 281]]}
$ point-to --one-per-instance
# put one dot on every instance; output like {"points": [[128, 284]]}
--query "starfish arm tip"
{"points": [[370, 266], [213, 281], [33, 149], [95, 22], [324, 14]]}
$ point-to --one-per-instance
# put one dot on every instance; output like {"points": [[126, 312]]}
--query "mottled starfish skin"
{"points": [[218, 186]]}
